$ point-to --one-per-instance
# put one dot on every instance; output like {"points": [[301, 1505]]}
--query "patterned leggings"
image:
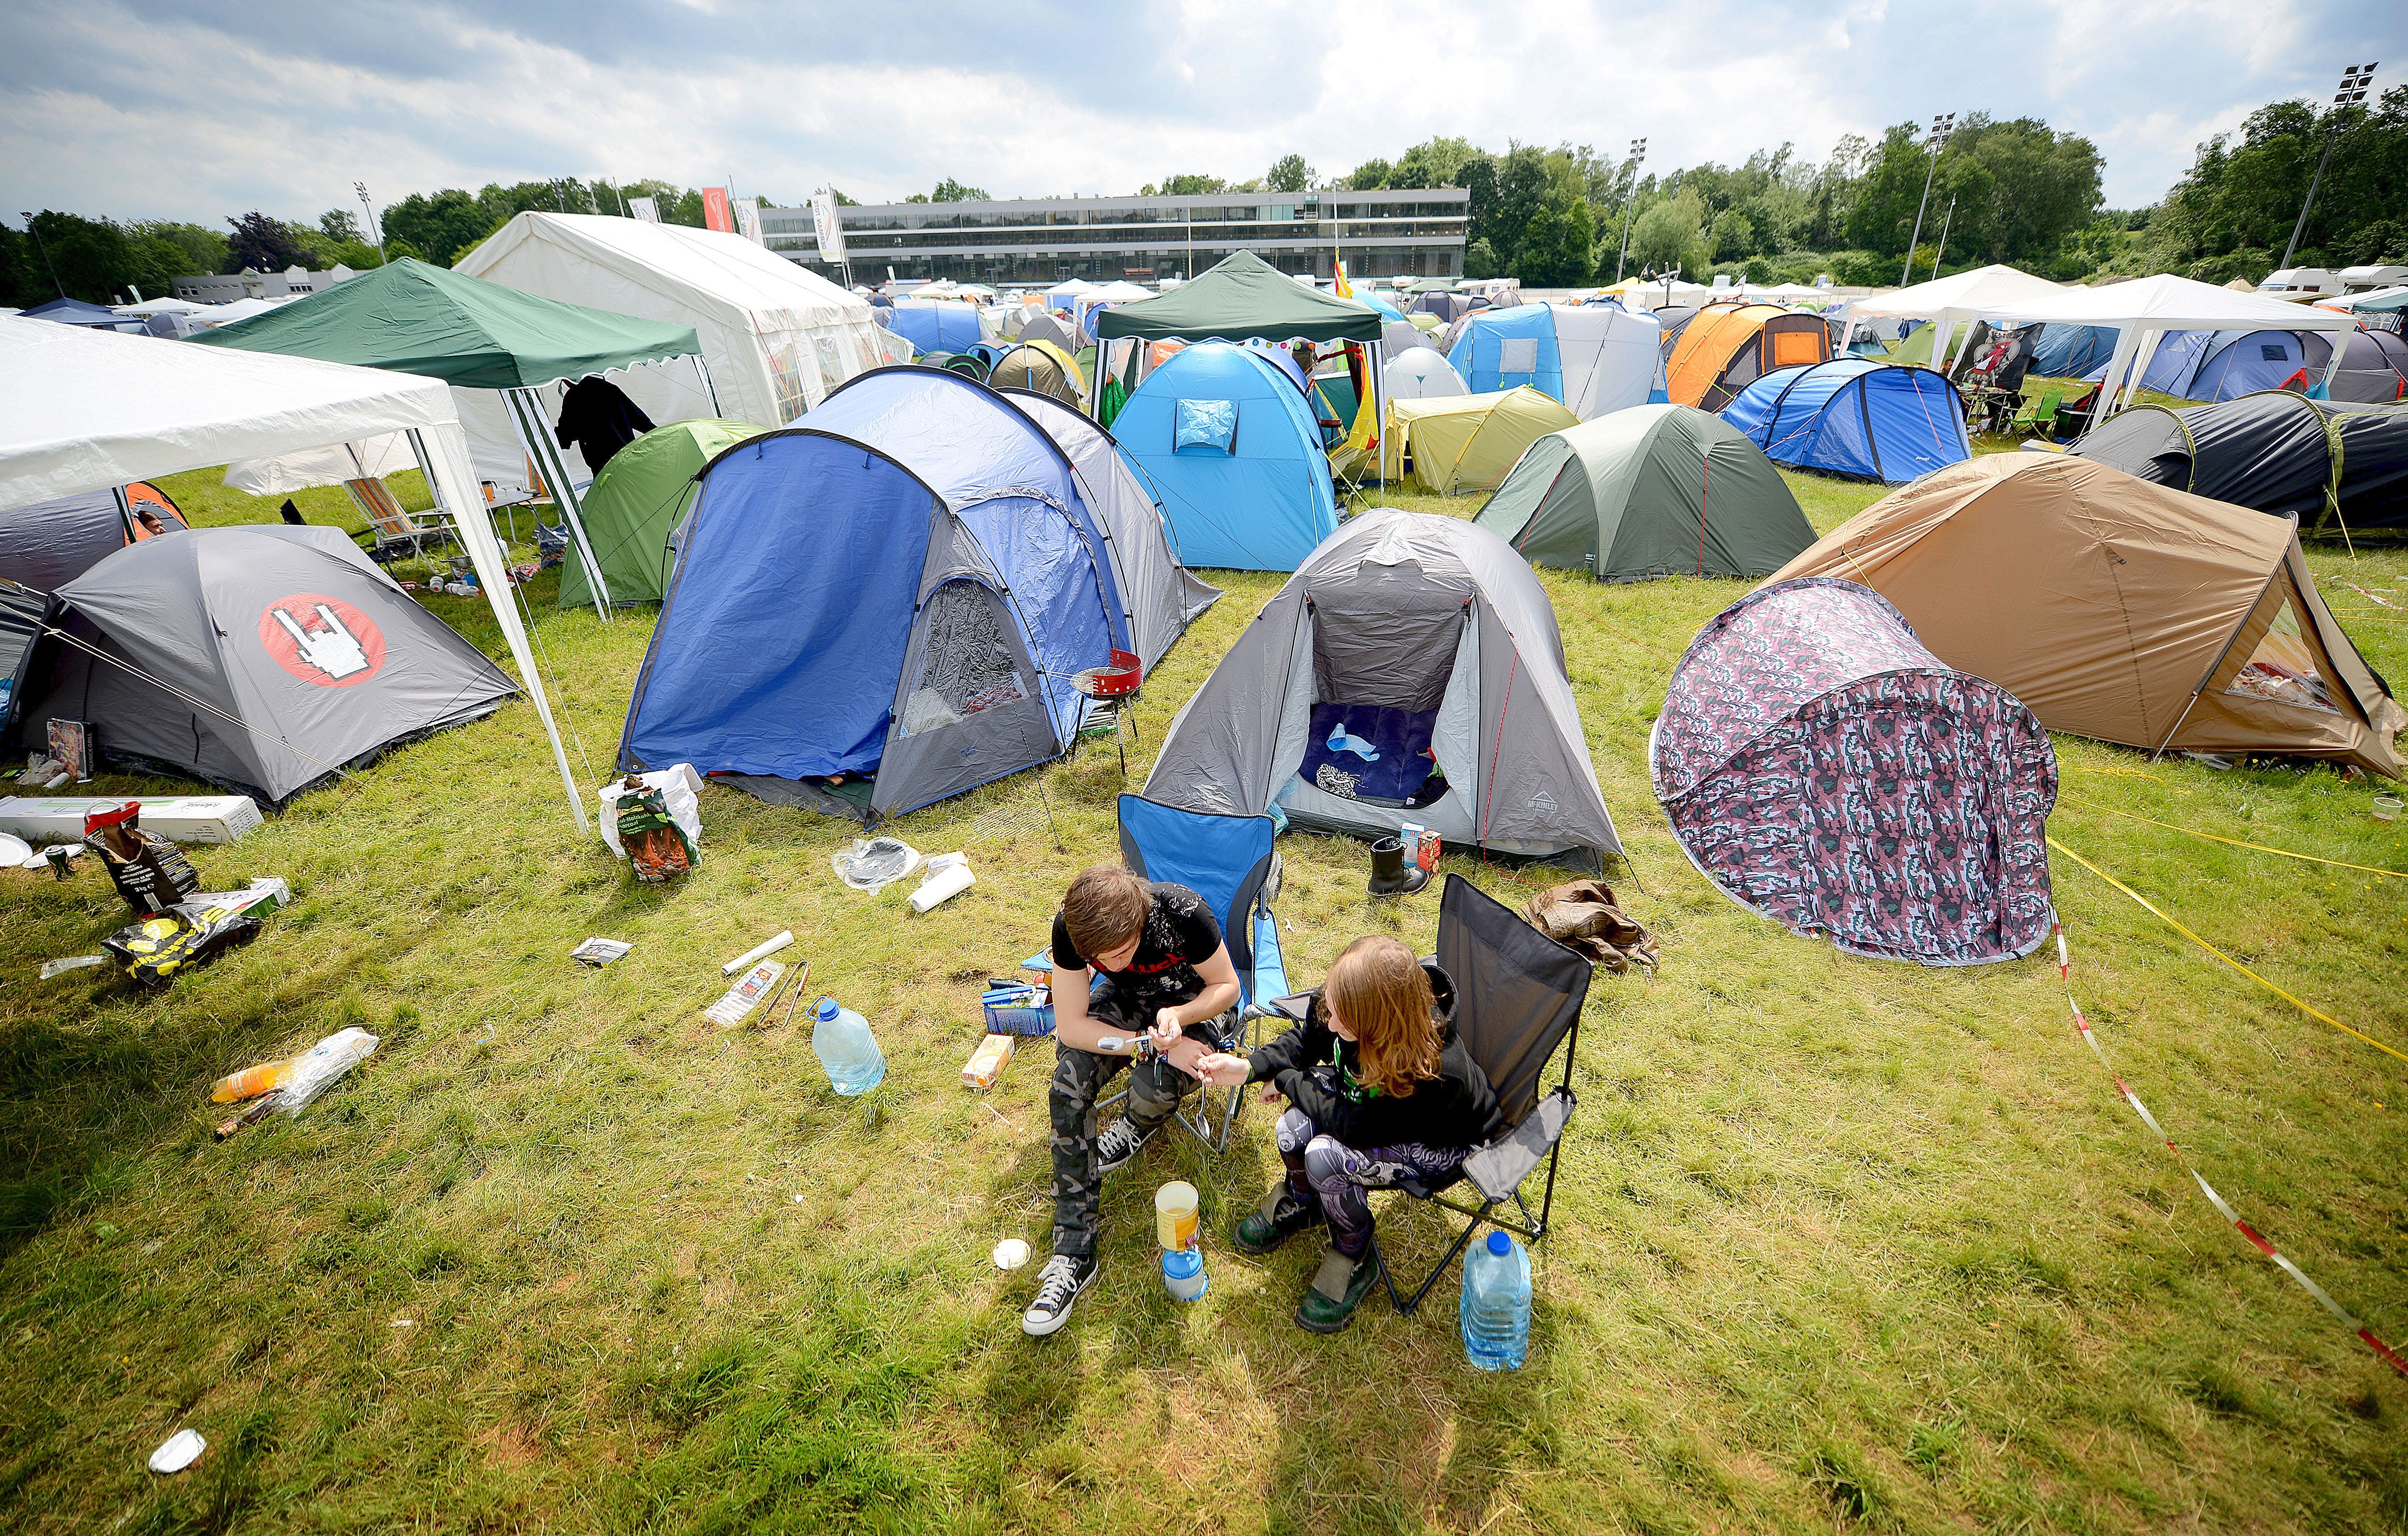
{"points": [[1325, 1170]]}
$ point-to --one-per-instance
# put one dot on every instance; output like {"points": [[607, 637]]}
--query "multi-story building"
{"points": [[1391, 234]]}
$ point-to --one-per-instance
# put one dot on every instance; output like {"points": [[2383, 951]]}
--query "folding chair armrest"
{"points": [[1498, 1168]]}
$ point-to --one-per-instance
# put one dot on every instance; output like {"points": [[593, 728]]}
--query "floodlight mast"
{"points": [[1630, 203], [2352, 92], [1941, 128], [375, 224]]}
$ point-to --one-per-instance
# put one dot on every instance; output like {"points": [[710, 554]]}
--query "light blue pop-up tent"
{"points": [[1228, 442], [902, 584], [1851, 416]]}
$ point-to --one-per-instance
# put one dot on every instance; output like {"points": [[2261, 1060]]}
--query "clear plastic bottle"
{"points": [[846, 1048], [1496, 1312]]}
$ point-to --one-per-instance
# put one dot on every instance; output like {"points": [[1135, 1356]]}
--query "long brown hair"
{"points": [[1379, 989]]}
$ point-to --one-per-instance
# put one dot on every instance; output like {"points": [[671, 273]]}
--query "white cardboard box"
{"points": [[189, 819]]}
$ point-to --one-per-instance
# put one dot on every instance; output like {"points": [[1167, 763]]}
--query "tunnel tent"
{"points": [[1649, 491], [635, 507], [1457, 445], [1727, 347], [113, 409], [263, 659], [1822, 768], [1593, 358], [1426, 644], [2333, 466], [881, 605], [1855, 417], [1224, 435], [2119, 609], [48, 544], [410, 317], [1162, 596]]}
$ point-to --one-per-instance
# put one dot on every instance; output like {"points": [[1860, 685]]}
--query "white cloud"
{"points": [[281, 104]]}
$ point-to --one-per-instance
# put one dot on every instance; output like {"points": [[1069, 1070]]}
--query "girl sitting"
{"points": [[1379, 1090]]}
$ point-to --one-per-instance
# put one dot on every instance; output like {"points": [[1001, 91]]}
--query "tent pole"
{"points": [[704, 373], [493, 573], [535, 436], [2340, 345]]}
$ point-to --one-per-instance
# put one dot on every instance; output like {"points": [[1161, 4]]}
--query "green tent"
{"points": [[416, 318], [638, 502], [1646, 491], [1242, 297]]}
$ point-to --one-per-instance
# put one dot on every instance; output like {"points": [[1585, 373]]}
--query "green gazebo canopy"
{"points": [[416, 318], [1242, 298]]}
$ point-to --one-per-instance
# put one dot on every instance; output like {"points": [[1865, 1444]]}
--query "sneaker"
{"points": [[1337, 1288], [1280, 1216], [1058, 1285], [1121, 1141]]}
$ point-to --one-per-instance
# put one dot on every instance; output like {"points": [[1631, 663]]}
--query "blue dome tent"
{"points": [[901, 584], [1855, 417], [2213, 366], [935, 326], [2072, 351], [1228, 442]]}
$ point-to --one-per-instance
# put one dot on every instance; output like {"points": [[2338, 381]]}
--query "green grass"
{"points": [[1841, 1245]]}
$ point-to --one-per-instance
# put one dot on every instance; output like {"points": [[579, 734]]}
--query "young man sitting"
{"points": [[1166, 975]]}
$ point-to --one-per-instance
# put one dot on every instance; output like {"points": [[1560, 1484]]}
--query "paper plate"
{"points": [[14, 853]]}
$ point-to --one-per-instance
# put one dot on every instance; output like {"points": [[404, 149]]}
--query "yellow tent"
{"points": [[1462, 442]]}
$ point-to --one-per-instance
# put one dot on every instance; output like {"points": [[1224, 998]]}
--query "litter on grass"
{"points": [[873, 862], [600, 952], [947, 876], [180, 1450], [739, 1001], [73, 962]]}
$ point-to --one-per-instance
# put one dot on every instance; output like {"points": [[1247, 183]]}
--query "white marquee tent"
{"points": [[82, 411], [2145, 309], [1950, 302]]}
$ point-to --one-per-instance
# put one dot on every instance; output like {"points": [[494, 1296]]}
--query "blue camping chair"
{"points": [[1229, 862]]}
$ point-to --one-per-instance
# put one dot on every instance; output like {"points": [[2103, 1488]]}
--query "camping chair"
{"points": [[1518, 996], [1229, 862], [392, 530], [2039, 417]]}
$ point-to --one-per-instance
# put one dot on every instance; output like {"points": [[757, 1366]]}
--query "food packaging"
{"points": [[739, 1001], [984, 1068], [949, 875], [189, 819]]}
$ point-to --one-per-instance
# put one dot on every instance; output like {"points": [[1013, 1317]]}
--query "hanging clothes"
{"points": [[600, 419]]}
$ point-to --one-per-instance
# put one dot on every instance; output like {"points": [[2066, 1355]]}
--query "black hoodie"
{"points": [[1457, 1108]]}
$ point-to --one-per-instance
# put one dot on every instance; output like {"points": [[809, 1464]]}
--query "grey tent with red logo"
{"points": [[261, 659]]}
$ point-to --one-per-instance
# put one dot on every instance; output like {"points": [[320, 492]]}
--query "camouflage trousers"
{"points": [[1080, 1078]]}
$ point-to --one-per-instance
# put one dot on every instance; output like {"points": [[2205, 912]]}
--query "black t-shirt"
{"points": [[1179, 934]]}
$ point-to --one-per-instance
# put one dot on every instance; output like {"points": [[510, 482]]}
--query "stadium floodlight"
{"points": [[1941, 128], [2352, 92]]}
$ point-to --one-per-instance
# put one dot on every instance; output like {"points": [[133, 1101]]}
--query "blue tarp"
{"points": [[1851, 416], [1482, 354], [1262, 508], [932, 326], [809, 558]]}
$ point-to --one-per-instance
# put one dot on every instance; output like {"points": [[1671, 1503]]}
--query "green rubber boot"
{"points": [[1280, 1216]]}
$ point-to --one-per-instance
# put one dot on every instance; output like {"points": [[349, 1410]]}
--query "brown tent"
{"points": [[1039, 368], [2119, 609]]}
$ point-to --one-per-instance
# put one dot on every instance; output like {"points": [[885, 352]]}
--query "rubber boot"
{"points": [[1390, 874]]}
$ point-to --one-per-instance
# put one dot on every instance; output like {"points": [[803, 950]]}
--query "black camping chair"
{"points": [[1518, 997]]}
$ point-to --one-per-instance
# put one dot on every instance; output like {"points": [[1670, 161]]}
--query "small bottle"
{"points": [[1495, 1311], [847, 1050], [1182, 1272], [251, 1082]]}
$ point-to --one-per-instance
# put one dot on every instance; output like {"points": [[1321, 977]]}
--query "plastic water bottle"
{"points": [[846, 1048], [1497, 1303]]}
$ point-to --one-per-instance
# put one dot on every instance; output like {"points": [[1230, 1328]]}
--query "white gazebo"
{"points": [[2144, 310], [83, 411], [1950, 302]]}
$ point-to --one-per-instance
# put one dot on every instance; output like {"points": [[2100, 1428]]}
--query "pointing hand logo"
{"points": [[321, 640]]}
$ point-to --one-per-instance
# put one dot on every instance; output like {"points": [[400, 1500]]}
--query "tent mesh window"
{"points": [[2283, 669], [969, 663], [1518, 355]]}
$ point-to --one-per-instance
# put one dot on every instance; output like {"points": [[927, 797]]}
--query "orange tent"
{"points": [[1727, 347], [2120, 609]]}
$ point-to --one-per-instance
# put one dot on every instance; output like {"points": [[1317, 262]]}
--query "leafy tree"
{"points": [[1288, 174], [1191, 186], [89, 258], [196, 248], [1371, 175], [339, 224], [439, 224], [841, 200], [1555, 245], [16, 288], [2246, 196], [1479, 260], [951, 191], [268, 244], [1671, 232], [1477, 176], [1433, 163]]}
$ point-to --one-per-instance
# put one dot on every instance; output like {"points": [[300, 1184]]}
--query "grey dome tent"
{"points": [[1646, 491], [1410, 671], [47, 544], [2326, 464], [258, 658]]}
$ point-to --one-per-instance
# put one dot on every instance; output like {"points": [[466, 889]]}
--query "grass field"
{"points": [[1841, 1244]]}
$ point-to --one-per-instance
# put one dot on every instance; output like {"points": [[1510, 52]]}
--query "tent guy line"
{"points": [[163, 686], [2254, 847]]}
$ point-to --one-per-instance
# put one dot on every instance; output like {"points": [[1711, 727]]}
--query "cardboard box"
{"points": [[985, 1069], [192, 818]]}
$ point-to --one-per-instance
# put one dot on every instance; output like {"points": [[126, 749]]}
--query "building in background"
{"points": [[251, 284], [1389, 234]]}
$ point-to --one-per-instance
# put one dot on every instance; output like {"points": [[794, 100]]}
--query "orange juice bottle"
{"points": [[251, 1082]]}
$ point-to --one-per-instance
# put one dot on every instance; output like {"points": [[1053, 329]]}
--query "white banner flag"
{"points": [[645, 210], [830, 223], [748, 219]]}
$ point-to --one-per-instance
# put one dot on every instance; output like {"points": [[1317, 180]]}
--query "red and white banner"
{"points": [[715, 211]]}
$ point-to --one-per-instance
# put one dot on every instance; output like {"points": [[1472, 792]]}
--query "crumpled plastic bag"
{"points": [[162, 947], [676, 783], [876, 861], [1586, 916], [315, 1070]]}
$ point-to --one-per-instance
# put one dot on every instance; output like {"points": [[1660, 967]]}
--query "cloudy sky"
{"points": [[198, 109]]}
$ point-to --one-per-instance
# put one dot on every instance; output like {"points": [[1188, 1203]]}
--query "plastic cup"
{"points": [[1174, 1216], [2387, 807]]}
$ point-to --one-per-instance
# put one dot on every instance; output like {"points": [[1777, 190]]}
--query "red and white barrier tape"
{"points": [[2081, 1026]]}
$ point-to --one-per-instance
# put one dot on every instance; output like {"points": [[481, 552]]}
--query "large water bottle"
{"points": [[846, 1048], [1497, 1303]]}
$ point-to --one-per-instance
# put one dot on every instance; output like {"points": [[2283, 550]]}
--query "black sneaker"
{"points": [[1280, 1216], [1058, 1285], [1121, 1141]]}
